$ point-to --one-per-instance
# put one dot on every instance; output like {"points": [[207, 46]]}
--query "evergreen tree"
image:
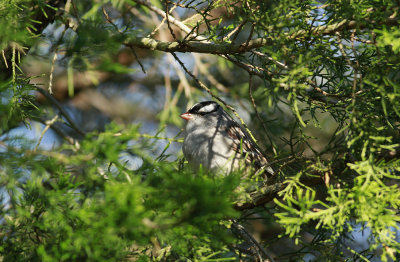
{"points": [[316, 82]]}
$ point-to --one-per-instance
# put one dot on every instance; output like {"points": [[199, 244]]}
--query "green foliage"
{"points": [[390, 38], [13, 31], [324, 95], [16, 104], [96, 213]]}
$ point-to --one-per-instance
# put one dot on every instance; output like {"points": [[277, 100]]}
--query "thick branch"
{"points": [[196, 46], [258, 199], [214, 48]]}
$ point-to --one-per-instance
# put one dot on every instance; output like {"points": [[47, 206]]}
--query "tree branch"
{"points": [[257, 199], [226, 48], [62, 111], [251, 240], [196, 46]]}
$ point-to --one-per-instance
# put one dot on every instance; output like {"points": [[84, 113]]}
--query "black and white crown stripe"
{"points": [[204, 108]]}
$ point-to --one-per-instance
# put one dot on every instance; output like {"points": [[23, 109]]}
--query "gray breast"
{"points": [[208, 146]]}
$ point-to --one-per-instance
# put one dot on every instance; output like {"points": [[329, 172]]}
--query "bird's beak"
{"points": [[186, 116]]}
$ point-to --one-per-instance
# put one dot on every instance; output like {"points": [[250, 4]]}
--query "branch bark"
{"points": [[258, 199], [196, 46]]}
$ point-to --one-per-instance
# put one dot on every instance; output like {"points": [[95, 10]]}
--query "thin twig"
{"points": [[369, 42], [235, 32], [180, 5], [195, 78], [258, 114], [356, 66], [204, 70], [181, 76], [168, 23], [250, 239], [253, 25], [155, 30], [280, 64], [342, 51], [322, 91], [53, 62], [137, 59], [110, 21], [162, 22], [352, 38], [4, 57], [171, 19], [62, 134], [62, 110], [288, 159], [251, 69], [48, 124], [70, 21], [276, 172], [130, 46]]}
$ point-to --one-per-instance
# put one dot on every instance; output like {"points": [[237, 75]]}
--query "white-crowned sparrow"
{"points": [[217, 142]]}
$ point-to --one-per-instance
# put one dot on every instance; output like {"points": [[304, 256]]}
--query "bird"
{"points": [[216, 142]]}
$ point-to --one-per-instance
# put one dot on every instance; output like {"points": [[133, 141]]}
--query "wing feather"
{"points": [[244, 145]]}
